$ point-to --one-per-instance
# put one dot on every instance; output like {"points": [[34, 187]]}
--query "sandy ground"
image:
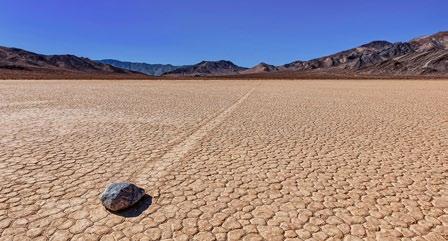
{"points": [[225, 160]]}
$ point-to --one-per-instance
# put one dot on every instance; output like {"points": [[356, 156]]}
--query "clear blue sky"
{"points": [[188, 31]]}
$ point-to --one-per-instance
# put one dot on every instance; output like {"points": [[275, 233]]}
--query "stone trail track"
{"points": [[226, 160]]}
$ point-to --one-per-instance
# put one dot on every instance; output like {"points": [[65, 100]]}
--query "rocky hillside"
{"points": [[260, 68], [207, 68], [13, 58], [149, 69], [21, 64], [425, 55]]}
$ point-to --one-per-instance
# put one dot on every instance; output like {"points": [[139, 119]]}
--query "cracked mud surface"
{"points": [[226, 160]]}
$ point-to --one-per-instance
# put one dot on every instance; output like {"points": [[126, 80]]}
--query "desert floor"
{"points": [[225, 160]]}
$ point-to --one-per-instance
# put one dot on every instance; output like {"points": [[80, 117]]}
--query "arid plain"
{"points": [[225, 159]]}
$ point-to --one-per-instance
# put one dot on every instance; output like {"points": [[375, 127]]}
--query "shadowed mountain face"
{"points": [[208, 68], [149, 69], [18, 61]]}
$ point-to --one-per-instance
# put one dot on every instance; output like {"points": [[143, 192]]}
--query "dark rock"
{"points": [[119, 196]]}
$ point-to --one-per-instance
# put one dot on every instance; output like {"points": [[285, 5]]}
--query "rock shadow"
{"points": [[136, 209]]}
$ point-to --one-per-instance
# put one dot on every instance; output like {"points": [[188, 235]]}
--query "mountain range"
{"points": [[423, 56], [149, 69], [18, 63]]}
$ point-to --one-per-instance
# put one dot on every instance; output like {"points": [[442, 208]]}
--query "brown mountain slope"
{"points": [[18, 63], [260, 68]]}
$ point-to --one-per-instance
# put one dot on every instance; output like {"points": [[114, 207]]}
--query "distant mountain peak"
{"points": [[208, 68], [264, 64], [216, 61], [377, 44], [260, 68]]}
